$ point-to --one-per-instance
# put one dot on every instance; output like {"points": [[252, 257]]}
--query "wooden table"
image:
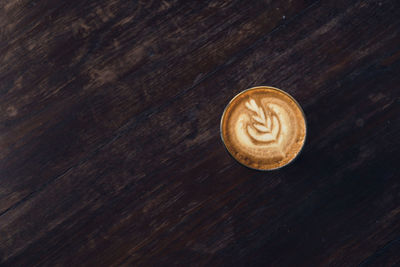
{"points": [[110, 151]]}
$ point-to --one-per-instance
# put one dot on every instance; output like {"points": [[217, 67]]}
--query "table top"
{"points": [[110, 150]]}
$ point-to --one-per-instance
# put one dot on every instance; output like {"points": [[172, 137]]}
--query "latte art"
{"points": [[263, 128]]}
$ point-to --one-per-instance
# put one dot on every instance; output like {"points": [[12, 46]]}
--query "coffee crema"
{"points": [[263, 128]]}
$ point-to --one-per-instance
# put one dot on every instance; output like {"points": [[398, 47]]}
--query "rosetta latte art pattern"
{"points": [[265, 126]]}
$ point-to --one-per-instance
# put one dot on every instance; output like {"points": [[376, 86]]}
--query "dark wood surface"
{"points": [[110, 152]]}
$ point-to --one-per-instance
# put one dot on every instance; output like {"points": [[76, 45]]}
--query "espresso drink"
{"points": [[263, 128]]}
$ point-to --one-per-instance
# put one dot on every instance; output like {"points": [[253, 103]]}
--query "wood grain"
{"points": [[110, 151]]}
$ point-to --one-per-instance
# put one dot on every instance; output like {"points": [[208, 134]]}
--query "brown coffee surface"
{"points": [[263, 128]]}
